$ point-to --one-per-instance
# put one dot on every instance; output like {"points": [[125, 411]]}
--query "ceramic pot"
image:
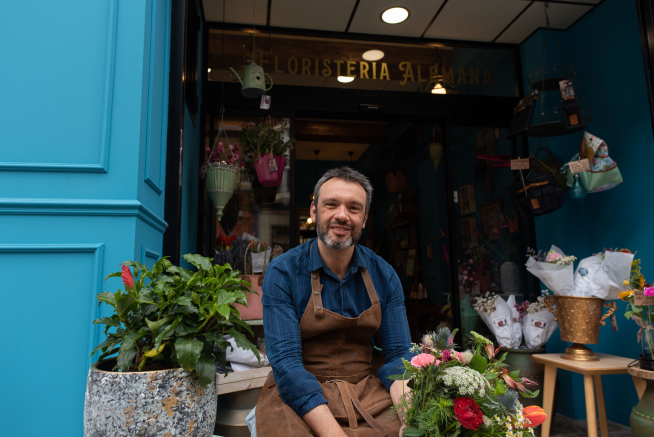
{"points": [[469, 317], [642, 415], [221, 180], [147, 404], [509, 277]]}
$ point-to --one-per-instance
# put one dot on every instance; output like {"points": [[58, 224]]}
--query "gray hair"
{"points": [[348, 175]]}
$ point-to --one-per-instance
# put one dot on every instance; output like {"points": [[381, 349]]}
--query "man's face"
{"points": [[340, 214]]}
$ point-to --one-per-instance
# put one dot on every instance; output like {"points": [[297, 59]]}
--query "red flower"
{"points": [[127, 277], [534, 414], [221, 238], [468, 413]]}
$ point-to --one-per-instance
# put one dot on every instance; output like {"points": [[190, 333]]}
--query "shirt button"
{"points": [[316, 292], [318, 307]]}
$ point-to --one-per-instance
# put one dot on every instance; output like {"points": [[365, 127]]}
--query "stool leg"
{"points": [[590, 406], [601, 408], [548, 398]]}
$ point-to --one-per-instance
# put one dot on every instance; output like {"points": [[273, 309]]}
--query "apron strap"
{"points": [[367, 280], [316, 297], [351, 415], [381, 432]]}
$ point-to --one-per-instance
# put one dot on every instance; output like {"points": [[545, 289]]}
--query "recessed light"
{"points": [[345, 79], [395, 15], [373, 55]]}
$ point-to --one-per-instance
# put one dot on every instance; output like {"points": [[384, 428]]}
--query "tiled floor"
{"points": [[565, 427]]}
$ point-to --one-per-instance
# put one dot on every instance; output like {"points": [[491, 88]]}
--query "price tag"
{"points": [[614, 323], [520, 164], [641, 300], [579, 166], [272, 165], [265, 102]]}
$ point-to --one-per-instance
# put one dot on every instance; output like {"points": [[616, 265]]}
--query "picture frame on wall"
{"points": [[467, 199], [469, 232], [491, 216]]}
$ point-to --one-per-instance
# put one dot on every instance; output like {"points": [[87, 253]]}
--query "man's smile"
{"points": [[340, 230]]}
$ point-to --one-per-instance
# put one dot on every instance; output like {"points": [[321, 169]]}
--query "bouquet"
{"points": [[537, 322], [497, 315], [600, 275], [639, 296], [464, 394]]}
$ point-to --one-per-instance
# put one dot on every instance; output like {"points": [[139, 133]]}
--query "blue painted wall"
{"points": [[605, 48], [82, 161]]}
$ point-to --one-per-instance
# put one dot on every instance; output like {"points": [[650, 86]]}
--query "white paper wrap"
{"points": [[500, 322], [516, 327], [608, 280], [538, 327], [558, 279], [243, 359]]}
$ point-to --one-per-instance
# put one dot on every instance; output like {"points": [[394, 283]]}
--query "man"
{"points": [[323, 301]]}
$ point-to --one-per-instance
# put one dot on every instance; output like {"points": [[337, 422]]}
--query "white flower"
{"points": [[468, 381], [488, 422]]}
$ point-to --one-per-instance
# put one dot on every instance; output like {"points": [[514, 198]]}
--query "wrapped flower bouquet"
{"points": [[464, 394]]}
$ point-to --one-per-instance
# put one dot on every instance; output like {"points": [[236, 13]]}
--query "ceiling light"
{"points": [[438, 89], [394, 15], [208, 70], [373, 55], [345, 79], [309, 221]]}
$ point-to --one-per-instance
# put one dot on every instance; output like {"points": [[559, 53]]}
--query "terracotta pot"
{"points": [[147, 404]]}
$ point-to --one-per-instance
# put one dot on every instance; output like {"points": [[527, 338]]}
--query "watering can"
{"points": [[253, 83]]}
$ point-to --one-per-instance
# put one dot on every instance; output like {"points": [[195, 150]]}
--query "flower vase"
{"points": [[265, 176], [469, 316], [509, 278], [221, 180], [647, 340]]}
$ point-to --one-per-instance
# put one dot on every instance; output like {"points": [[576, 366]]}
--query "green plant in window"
{"points": [[172, 317], [264, 137]]}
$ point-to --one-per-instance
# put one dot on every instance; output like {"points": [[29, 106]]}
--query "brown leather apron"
{"points": [[338, 352]]}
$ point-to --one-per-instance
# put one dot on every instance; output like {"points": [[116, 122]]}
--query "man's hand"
{"points": [[400, 389], [322, 422]]}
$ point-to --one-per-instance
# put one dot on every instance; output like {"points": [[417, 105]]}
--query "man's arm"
{"points": [[298, 388]]}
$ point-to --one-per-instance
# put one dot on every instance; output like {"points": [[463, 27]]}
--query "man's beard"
{"points": [[322, 230]]}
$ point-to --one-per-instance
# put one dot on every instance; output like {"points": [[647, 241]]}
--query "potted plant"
{"points": [[266, 144], [157, 372], [221, 172]]}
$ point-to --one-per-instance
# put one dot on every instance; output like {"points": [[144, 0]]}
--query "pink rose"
{"points": [[458, 356], [552, 257], [649, 291], [422, 360]]}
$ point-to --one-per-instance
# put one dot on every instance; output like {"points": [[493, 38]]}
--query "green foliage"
{"points": [[257, 139], [173, 316]]}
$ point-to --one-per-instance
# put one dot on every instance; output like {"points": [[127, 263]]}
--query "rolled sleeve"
{"points": [[298, 388], [394, 332]]}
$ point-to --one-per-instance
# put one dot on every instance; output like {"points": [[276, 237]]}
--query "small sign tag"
{"points": [[641, 300], [265, 102], [614, 323], [573, 119], [535, 203], [520, 164], [579, 166], [272, 165]]}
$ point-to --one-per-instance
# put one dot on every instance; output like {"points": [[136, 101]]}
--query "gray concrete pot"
{"points": [[163, 403]]}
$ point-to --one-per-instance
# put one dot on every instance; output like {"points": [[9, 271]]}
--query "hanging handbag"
{"points": [[549, 166], [603, 174], [523, 114], [536, 195]]}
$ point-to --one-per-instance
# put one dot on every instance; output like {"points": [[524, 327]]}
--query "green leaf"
{"points": [[125, 359], [226, 297], [146, 296], [490, 375], [217, 339], [113, 275], [514, 374], [242, 324], [182, 300], [107, 321], [107, 297], [401, 377], [137, 265], [182, 272], [185, 329], [131, 338], [154, 326], [199, 261], [195, 298], [188, 352], [206, 370], [530, 394], [628, 314], [412, 432], [110, 341], [243, 342], [163, 332], [125, 304], [223, 310], [479, 364]]}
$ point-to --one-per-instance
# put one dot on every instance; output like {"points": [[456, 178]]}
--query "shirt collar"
{"points": [[316, 262]]}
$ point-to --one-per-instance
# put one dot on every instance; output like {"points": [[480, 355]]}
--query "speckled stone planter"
{"points": [[164, 403]]}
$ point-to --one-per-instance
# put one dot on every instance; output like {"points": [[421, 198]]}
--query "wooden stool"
{"points": [[592, 372]]}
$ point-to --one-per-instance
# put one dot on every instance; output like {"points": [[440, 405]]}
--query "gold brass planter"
{"points": [[579, 321]]}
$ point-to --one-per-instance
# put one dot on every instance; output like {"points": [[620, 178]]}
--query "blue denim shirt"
{"points": [[286, 292]]}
